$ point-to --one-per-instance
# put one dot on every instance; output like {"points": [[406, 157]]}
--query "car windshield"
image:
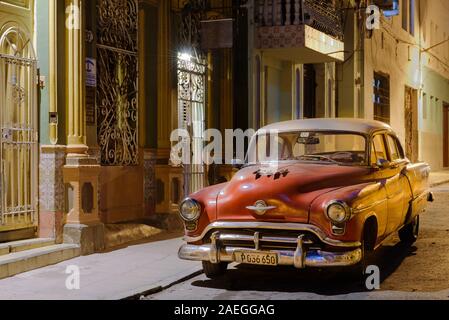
{"points": [[309, 146]]}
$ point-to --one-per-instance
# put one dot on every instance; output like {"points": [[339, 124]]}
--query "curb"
{"points": [[157, 289], [439, 183]]}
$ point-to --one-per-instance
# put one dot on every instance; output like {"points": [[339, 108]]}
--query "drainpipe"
{"points": [[53, 70]]}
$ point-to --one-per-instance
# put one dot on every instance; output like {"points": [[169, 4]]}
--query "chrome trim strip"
{"points": [[273, 226], [298, 258], [358, 210], [254, 208]]}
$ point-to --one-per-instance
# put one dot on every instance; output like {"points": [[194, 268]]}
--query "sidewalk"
{"points": [[439, 177], [106, 276]]}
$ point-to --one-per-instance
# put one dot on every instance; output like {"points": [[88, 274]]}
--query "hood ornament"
{"points": [[260, 207]]}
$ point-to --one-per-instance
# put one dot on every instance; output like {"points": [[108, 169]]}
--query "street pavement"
{"points": [[417, 272], [407, 273], [107, 276]]}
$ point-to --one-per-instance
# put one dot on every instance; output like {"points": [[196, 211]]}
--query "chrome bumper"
{"points": [[298, 258]]}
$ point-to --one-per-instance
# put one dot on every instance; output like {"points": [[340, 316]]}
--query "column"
{"points": [[81, 171], [75, 54], [52, 156], [53, 69], [164, 114]]}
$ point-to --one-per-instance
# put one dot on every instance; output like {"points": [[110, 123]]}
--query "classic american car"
{"points": [[310, 193]]}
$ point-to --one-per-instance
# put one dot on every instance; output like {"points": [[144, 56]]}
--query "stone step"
{"points": [[23, 261], [22, 245]]}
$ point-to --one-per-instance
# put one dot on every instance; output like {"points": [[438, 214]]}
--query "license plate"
{"points": [[260, 258]]}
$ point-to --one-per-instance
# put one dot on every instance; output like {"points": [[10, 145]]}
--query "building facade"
{"points": [[90, 94], [395, 72], [407, 63]]}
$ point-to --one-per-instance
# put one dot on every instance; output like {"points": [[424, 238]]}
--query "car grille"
{"points": [[266, 239]]}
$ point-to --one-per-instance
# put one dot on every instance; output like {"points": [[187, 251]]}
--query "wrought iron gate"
{"points": [[117, 92], [18, 141], [191, 110]]}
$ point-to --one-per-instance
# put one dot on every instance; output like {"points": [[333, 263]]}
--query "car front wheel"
{"points": [[213, 270], [409, 233]]}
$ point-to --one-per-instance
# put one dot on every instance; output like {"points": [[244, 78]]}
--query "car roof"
{"points": [[330, 124]]}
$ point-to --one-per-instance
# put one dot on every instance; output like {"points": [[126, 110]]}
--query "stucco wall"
{"points": [[395, 52]]}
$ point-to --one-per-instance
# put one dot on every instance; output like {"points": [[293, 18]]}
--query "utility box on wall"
{"points": [[217, 34]]}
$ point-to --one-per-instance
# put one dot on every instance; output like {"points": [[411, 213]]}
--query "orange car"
{"points": [[311, 193]]}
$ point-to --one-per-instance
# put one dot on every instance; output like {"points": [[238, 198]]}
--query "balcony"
{"points": [[303, 31]]}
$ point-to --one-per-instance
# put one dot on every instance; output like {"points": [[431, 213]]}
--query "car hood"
{"points": [[289, 188]]}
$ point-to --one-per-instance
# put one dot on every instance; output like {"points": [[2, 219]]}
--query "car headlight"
{"points": [[190, 209], [338, 211]]}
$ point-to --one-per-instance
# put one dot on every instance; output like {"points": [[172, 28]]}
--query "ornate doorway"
{"points": [[18, 121], [191, 110], [117, 92]]}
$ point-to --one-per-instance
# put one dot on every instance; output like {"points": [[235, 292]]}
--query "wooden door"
{"points": [[411, 124], [446, 135]]}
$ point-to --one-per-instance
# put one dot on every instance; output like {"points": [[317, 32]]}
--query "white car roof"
{"points": [[330, 124]]}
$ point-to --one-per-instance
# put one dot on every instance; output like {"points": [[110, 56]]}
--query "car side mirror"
{"points": [[382, 164], [237, 163]]}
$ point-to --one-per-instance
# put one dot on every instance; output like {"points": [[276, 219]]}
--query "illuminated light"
{"points": [[185, 56]]}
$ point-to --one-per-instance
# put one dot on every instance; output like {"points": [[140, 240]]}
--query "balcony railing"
{"points": [[319, 14]]}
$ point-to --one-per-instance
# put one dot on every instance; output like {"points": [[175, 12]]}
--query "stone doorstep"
{"points": [[23, 261], [22, 245]]}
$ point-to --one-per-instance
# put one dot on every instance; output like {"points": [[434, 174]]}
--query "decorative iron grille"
{"points": [[18, 127], [117, 108], [320, 14], [191, 110]]}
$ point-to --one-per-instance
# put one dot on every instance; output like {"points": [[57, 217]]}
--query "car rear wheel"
{"points": [[213, 270], [409, 233]]}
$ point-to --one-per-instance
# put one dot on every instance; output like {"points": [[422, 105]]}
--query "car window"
{"points": [[392, 146], [310, 146], [379, 148]]}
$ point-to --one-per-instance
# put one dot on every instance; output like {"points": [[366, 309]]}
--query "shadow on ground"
{"points": [[333, 281]]}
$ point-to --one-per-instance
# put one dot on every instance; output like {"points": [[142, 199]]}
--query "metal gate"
{"points": [[18, 123], [191, 110]]}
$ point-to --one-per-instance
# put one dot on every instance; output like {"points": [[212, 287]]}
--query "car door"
{"points": [[379, 153], [399, 163], [393, 180]]}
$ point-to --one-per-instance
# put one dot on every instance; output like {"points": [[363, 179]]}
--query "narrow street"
{"points": [[417, 272]]}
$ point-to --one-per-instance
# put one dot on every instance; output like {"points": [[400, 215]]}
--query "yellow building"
{"points": [[90, 93], [319, 58], [401, 76]]}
